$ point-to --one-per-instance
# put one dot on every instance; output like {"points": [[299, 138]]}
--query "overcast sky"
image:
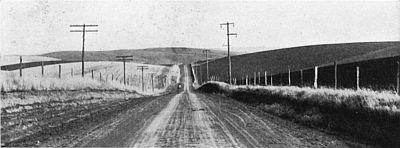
{"points": [[35, 27]]}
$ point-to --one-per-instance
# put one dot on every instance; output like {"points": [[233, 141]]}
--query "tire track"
{"points": [[185, 122]]}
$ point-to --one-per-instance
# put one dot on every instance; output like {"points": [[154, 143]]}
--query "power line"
{"points": [[83, 40], [229, 56]]}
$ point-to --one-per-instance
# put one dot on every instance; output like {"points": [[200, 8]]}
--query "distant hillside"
{"points": [[170, 55], [301, 58], [14, 59]]}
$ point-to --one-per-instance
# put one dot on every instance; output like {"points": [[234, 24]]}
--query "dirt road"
{"points": [[193, 119]]}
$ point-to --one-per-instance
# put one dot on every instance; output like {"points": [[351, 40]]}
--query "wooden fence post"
{"points": [[20, 66], [152, 83], [336, 78], [247, 80], [358, 78], [259, 78], [59, 71], [100, 77], [316, 77], [112, 77], [92, 74], [398, 77], [289, 76], [301, 77], [265, 78], [72, 72], [42, 69], [270, 71], [255, 78]]}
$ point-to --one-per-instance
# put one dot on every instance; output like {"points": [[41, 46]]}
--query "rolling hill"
{"points": [[304, 57], [169, 55]]}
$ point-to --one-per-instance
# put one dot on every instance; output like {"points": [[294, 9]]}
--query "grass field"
{"points": [[365, 114], [111, 77], [34, 104]]}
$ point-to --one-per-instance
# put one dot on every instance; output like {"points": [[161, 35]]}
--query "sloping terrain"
{"points": [[278, 61], [169, 55], [14, 59]]}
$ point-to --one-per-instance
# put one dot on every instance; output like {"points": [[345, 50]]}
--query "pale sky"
{"points": [[36, 27]]}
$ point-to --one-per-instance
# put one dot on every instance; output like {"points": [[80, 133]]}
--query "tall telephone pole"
{"points": [[124, 58], [83, 41], [142, 68], [206, 51], [229, 56]]}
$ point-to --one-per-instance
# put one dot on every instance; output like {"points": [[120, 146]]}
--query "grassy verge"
{"points": [[372, 117]]}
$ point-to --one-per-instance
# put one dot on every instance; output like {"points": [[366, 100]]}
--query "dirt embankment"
{"points": [[372, 127]]}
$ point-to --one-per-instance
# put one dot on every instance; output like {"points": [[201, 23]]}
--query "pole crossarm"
{"points": [[83, 31], [124, 57], [226, 24], [235, 34], [84, 25], [142, 67]]}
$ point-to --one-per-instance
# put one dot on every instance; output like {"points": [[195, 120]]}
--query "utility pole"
{"points": [[142, 68], [229, 56], [206, 51], [123, 59], [83, 41]]}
